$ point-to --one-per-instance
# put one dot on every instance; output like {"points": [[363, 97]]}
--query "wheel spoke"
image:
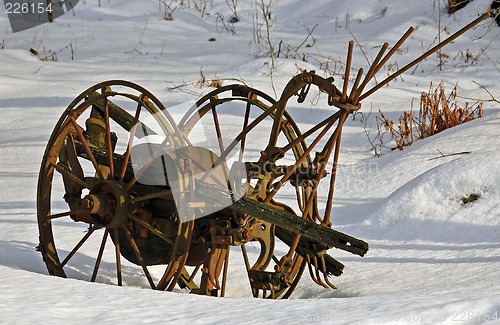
{"points": [[164, 194], [72, 157], [219, 139], [68, 173], [195, 271], [244, 138], [299, 161], [169, 273], [87, 148], [139, 256], [298, 195], [118, 256], [109, 145], [217, 129], [147, 165], [80, 243], [99, 255], [131, 138], [245, 257], [65, 214], [237, 139], [151, 228], [247, 265]]}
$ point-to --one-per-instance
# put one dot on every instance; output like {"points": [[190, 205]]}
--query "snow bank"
{"points": [[433, 257]]}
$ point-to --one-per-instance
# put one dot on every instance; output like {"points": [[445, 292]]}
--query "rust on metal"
{"points": [[196, 207]]}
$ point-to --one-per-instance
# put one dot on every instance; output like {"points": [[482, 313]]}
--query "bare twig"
{"points": [[450, 154], [493, 99], [362, 51], [307, 37]]}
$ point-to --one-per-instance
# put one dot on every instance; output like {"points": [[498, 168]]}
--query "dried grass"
{"points": [[212, 83], [437, 113]]}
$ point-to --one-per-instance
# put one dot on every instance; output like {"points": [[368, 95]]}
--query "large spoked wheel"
{"points": [[232, 122], [90, 199]]}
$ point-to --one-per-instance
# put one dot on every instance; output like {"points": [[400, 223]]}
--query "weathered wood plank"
{"points": [[286, 220]]}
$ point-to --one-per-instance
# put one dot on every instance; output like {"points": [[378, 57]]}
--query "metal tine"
{"points": [[317, 273], [218, 267], [370, 73], [216, 284], [394, 49], [325, 274], [356, 84], [211, 273], [322, 263], [347, 70], [425, 55], [333, 286], [224, 274], [311, 273], [382, 62], [213, 281], [220, 262]]}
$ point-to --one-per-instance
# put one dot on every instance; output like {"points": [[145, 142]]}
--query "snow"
{"points": [[433, 259]]}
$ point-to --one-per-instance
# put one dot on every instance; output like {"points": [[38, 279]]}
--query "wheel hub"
{"points": [[107, 203]]}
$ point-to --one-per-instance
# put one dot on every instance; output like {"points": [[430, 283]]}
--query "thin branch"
{"points": [[307, 37], [450, 154], [362, 51], [493, 99], [489, 93]]}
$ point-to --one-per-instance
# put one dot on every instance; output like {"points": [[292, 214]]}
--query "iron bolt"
{"points": [[247, 233]]}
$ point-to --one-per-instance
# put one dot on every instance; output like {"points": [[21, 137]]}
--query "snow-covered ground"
{"points": [[432, 259]]}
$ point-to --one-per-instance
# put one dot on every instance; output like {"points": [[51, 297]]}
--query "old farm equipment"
{"points": [[235, 171]]}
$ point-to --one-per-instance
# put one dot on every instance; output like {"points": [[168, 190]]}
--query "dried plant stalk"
{"points": [[437, 112]]}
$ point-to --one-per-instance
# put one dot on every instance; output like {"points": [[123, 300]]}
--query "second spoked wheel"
{"points": [[116, 193]]}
